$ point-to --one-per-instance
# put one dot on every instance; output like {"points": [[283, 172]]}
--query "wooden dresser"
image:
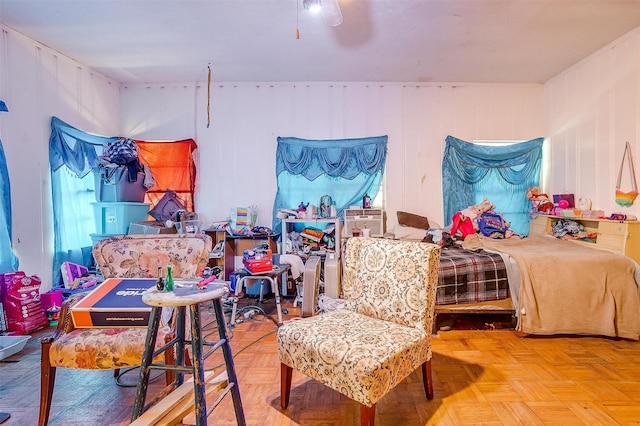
{"points": [[622, 237]]}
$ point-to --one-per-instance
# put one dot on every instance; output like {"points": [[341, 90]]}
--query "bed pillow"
{"points": [[409, 233], [412, 220]]}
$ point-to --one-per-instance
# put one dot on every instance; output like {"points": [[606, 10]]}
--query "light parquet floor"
{"points": [[481, 377]]}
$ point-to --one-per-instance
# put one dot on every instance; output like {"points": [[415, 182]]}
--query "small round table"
{"points": [[180, 298]]}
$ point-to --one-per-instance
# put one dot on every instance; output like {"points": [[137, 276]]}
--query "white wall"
{"points": [[591, 110], [237, 152], [37, 83]]}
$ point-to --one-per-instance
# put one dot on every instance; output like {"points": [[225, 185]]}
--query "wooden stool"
{"points": [[180, 299]]}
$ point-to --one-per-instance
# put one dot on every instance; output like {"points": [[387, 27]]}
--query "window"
{"points": [[345, 169], [501, 171], [72, 156]]}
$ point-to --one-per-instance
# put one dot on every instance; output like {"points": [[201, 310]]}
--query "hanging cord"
{"points": [[122, 384], [208, 95], [297, 13]]}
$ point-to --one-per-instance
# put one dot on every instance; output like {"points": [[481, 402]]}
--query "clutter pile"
{"points": [[480, 219], [119, 175]]}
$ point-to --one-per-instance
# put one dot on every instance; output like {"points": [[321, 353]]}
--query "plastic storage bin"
{"points": [[115, 218], [113, 185], [97, 237]]}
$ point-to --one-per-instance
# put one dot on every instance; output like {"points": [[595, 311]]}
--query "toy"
{"points": [[465, 220], [539, 202]]}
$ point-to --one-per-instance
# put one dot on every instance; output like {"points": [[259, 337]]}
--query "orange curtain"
{"points": [[172, 166]]}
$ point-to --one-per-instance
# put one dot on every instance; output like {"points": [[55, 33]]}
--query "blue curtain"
{"points": [[500, 173], [8, 259], [345, 169], [72, 155]]}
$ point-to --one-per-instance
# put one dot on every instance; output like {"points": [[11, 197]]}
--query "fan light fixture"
{"points": [[329, 11], [312, 6]]}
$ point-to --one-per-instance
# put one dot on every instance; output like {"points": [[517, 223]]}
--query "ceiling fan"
{"points": [[329, 10]]}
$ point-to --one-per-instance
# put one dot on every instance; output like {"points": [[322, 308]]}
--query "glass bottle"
{"points": [[160, 280], [168, 282]]}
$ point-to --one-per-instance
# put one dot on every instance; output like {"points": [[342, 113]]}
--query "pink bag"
{"points": [[22, 303]]}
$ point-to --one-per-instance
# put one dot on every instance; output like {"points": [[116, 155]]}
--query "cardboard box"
{"points": [[117, 302]]}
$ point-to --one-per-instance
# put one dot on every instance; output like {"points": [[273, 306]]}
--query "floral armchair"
{"points": [[127, 256], [382, 334]]}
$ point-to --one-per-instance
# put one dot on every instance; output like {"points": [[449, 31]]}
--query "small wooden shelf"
{"points": [[622, 237]]}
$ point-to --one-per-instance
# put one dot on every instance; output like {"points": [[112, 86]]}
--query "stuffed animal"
{"points": [[539, 202], [465, 220]]}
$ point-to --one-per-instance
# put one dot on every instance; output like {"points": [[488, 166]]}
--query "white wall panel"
{"points": [[591, 109], [237, 152], [38, 83], [173, 111]]}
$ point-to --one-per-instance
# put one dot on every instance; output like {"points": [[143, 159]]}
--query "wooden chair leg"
{"points": [[286, 373], [47, 380], [427, 379], [367, 415]]}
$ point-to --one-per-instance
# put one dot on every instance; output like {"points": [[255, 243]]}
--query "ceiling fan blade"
{"points": [[331, 13]]}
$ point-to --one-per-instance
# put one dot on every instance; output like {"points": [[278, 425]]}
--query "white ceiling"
{"points": [[163, 41]]}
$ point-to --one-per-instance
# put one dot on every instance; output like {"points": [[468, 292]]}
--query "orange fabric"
{"points": [[172, 166]]}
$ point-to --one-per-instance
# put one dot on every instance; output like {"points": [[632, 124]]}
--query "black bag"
{"points": [[167, 207]]}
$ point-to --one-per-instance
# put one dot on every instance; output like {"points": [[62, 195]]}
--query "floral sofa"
{"points": [[128, 256]]}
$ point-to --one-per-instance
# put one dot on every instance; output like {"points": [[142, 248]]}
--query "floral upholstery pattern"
{"points": [[129, 256], [140, 256], [102, 348], [382, 334]]}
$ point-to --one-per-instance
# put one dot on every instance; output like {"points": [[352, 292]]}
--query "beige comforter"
{"points": [[568, 288]]}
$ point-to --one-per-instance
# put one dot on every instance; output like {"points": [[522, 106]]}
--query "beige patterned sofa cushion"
{"points": [[139, 256], [102, 348]]}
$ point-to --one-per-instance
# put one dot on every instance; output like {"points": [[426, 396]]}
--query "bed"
{"points": [[552, 286], [475, 282], [567, 288]]}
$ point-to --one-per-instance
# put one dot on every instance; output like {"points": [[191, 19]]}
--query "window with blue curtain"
{"points": [[8, 259], [345, 169], [471, 172], [72, 156]]}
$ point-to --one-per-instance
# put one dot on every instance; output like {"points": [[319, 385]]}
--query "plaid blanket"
{"points": [[470, 276]]}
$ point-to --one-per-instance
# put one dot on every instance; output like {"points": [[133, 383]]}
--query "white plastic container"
{"points": [[10, 345]]}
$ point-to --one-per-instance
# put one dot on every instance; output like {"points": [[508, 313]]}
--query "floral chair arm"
{"points": [[65, 323]]}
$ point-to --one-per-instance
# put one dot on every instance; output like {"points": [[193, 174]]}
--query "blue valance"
{"points": [[3, 107], [74, 148], [344, 158]]}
